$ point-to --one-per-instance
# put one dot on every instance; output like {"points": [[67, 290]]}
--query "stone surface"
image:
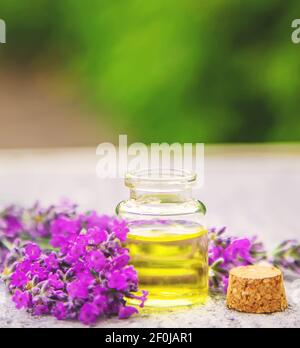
{"points": [[252, 190], [212, 315]]}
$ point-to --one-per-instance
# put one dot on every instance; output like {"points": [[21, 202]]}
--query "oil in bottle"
{"points": [[171, 261]]}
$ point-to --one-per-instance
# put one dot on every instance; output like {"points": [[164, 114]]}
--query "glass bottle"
{"points": [[167, 242]]}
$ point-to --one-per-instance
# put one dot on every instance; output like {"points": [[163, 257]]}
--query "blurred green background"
{"points": [[166, 70]]}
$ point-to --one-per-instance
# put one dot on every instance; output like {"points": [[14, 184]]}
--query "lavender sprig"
{"points": [[86, 277], [287, 256], [226, 252]]}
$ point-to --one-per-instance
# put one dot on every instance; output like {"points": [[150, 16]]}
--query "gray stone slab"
{"points": [[213, 314]]}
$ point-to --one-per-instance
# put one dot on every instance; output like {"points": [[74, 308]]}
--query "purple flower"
{"points": [[51, 262], [94, 220], [130, 274], [37, 270], [86, 277], [120, 229], [64, 231], [99, 290], [96, 235], [96, 260], [78, 289], [126, 312], [239, 248], [88, 313], [55, 282], [21, 299], [215, 253], [228, 252], [32, 251], [117, 281], [18, 279], [102, 302], [121, 260], [40, 309], [78, 267], [75, 251], [12, 224], [143, 298], [23, 266], [59, 311]]}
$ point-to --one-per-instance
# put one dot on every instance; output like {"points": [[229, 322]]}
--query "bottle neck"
{"points": [[165, 196], [164, 186]]}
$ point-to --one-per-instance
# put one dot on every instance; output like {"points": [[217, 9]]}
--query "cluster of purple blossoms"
{"points": [[85, 276], [226, 252], [29, 224]]}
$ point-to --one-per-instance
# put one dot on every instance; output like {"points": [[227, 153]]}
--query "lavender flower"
{"points": [[126, 312], [85, 278], [287, 256], [228, 252], [21, 299]]}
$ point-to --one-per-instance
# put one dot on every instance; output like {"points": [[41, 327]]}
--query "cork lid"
{"points": [[256, 289], [255, 272]]}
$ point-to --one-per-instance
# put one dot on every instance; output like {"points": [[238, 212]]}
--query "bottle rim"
{"points": [[174, 176]]}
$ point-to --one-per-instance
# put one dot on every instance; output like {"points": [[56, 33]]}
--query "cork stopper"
{"points": [[256, 289]]}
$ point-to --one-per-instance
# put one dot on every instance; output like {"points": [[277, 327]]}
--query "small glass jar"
{"points": [[167, 242]]}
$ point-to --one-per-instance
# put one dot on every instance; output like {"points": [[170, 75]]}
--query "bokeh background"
{"points": [[79, 72]]}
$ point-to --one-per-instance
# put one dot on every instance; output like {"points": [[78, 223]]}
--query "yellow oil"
{"points": [[171, 260]]}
